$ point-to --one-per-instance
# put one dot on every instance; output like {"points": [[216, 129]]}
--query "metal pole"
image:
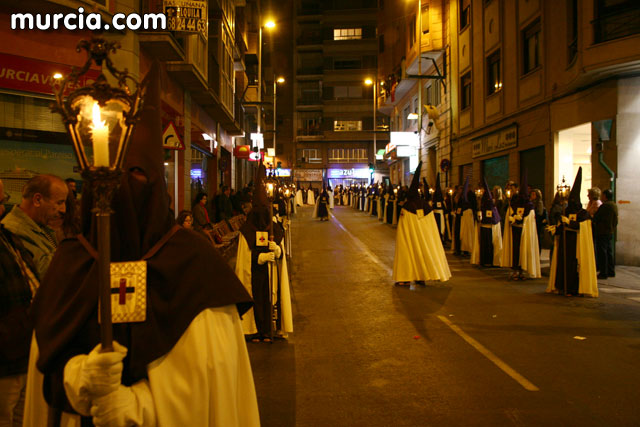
{"points": [[420, 80], [259, 118], [275, 88], [375, 107], [104, 279]]}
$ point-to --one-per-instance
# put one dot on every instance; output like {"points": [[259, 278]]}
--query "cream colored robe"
{"points": [[243, 271], [529, 251], [419, 252], [205, 380], [588, 278], [496, 240], [467, 228]]}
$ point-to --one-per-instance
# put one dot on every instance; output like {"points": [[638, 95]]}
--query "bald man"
{"points": [[41, 210]]}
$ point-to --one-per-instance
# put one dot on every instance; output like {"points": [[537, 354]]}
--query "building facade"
{"points": [[335, 52]]}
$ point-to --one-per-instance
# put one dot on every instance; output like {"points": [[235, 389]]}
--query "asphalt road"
{"points": [[474, 351]]}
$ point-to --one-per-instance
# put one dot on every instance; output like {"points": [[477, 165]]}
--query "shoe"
{"points": [[403, 284], [602, 276]]}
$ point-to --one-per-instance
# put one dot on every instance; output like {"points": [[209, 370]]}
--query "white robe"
{"points": [[205, 380], [243, 271], [496, 240], [311, 197], [299, 198], [588, 279], [331, 199], [467, 228], [529, 251], [379, 208], [419, 253], [315, 210]]}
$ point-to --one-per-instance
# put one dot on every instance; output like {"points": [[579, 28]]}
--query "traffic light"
{"points": [[371, 168]]}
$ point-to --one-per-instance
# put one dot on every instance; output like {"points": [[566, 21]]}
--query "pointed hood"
{"points": [[464, 202], [413, 201], [260, 193], [437, 194], [427, 194], [574, 202], [522, 199], [488, 205]]}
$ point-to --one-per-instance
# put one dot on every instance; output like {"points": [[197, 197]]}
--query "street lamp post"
{"points": [[374, 82], [268, 24], [275, 91]]}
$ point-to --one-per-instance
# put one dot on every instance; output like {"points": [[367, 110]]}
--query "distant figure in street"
{"points": [[466, 220], [501, 204], [605, 223], [487, 248], [311, 198], [419, 254], [224, 209], [322, 206], [573, 266], [439, 209], [520, 241]]}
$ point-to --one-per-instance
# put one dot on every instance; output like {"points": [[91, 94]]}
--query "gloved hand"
{"points": [[512, 219], [126, 406], [275, 248], [551, 229], [565, 219], [479, 215], [266, 257], [518, 217], [92, 375]]}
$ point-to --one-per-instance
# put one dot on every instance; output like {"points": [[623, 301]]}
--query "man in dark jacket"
{"points": [[224, 207], [605, 223], [18, 282]]}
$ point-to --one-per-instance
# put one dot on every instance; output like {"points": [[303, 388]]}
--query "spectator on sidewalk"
{"points": [[42, 208], [605, 223], [200, 214], [185, 219], [542, 219], [594, 201], [224, 209], [18, 283]]}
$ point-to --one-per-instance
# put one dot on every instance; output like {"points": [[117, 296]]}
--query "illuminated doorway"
{"points": [[572, 151]]}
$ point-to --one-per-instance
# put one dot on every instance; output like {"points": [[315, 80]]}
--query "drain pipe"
{"points": [[611, 173]]}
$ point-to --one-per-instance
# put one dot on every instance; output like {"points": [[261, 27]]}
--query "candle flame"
{"points": [[97, 123]]}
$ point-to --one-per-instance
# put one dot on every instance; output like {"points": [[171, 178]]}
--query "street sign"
{"points": [[170, 138]]}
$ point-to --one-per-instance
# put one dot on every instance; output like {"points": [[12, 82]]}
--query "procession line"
{"points": [[489, 355], [363, 247]]}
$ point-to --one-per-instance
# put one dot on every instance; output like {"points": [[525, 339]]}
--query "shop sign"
{"points": [[349, 173], [410, 139], [256, 157], [242, 151], [171, 139], [257, 140], [186, 16], [32, 75], [500, 140], [308, 174], [282, 172]]}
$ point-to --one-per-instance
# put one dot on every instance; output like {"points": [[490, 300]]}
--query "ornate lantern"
{"points": [[563, 189], [100, 120]]}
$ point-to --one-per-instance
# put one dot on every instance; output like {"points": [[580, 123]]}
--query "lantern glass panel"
{"points": [[101, 129]]}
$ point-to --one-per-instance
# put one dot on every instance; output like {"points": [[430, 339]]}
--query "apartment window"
{"points": [[432, 94], [311, 155], [347, 125], [412, 31], [425, 19], [494, 81], [616, 19], [531, 47], [347, 33], [465, 13], [347, 64], [572, 30], [381, 43], [465, 94], [341, 92]]}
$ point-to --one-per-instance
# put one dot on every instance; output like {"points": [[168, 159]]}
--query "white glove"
{"points": [[266, 257], [512, 219], [551, 229], [92, 375], [565, 219], [518, 217], [126, 406], [275, 248], [479, 215]]}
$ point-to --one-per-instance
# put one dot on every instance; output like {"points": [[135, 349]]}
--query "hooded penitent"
{"points": [[489, 206], [413, 200], [259, 217], [437, 194], [426, 194], [185, 275], [523, 200]]}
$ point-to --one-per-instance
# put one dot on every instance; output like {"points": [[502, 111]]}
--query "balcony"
{"points": [[161, 45], [616, 23], [233, 123], [309, 100], [309, 71]]}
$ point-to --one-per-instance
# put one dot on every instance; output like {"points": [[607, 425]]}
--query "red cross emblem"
{"points": [[122, 291]]}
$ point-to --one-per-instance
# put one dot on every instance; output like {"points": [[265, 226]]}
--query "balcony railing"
{"points": [[309, 132], [309, 70], [310, 100]]}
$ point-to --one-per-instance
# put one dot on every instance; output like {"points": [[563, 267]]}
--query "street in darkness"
{"points": [[477, 350]]}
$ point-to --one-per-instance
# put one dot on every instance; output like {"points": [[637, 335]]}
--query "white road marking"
{"points": [[489, 355], [619, 290], [363, 247]]}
